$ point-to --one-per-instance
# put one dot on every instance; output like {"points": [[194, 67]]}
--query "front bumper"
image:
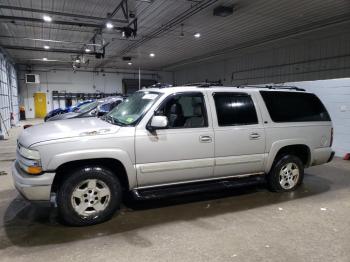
{"points": [[32, 187]]}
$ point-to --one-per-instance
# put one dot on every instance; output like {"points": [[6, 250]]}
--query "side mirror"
{"points": [[158, 122]]}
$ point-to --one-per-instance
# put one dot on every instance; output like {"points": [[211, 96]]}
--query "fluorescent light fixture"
{"points": [[109, 25], [129, 63], [44, 59], [87, 50], [46, 47], [47, 18], [197, 35], [152, 55]]}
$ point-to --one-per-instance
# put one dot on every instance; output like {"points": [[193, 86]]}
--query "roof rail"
{"points": [[273, 87], [205, 84]]}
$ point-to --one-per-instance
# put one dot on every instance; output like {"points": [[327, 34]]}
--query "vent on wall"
{"points": [[32, 79]]}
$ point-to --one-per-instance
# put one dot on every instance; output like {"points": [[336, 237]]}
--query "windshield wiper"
{"points": [[114, 121]]}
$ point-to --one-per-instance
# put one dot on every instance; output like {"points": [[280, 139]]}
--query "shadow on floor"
{"points": [[28, 225]]}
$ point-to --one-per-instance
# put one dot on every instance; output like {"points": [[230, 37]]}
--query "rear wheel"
{"points": [[89, 196], [286, 174]]}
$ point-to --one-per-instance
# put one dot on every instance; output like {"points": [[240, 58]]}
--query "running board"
{"points": [[194, 188]]}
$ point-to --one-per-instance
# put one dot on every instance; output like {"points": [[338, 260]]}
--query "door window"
{"points": [[184, 111], [235, 109]]}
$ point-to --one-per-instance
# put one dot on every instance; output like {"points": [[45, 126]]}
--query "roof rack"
{"points": [[205, 84], [273, 87], [160, 85]]}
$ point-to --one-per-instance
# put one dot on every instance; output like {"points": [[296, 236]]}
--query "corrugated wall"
{"points": [[296, 59], [8, 95]]}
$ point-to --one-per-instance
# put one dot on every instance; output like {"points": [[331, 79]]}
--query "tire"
{"points": [[286, 174], [88, 196]]}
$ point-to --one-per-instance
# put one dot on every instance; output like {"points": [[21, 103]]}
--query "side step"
{"points": [[195, 187]]}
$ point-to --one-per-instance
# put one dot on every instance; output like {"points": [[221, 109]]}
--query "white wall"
{"points": [[335, 94], [80, 81]]}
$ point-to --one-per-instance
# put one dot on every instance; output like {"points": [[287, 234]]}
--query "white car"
{"points": [[170, 141]]}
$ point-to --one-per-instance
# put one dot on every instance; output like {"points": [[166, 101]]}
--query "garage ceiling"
{"points": [[165, 28]]}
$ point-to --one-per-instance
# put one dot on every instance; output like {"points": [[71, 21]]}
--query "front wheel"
{"points": [[286, 174], [88, 196]]}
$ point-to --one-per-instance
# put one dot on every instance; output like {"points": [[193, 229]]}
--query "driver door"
{"points": [[184, 151]]}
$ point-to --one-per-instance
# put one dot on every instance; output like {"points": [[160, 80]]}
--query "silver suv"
{"points": [[170, 141]]}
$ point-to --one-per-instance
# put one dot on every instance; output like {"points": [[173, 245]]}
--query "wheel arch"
{"points": [[114, 165], [299, 149]]}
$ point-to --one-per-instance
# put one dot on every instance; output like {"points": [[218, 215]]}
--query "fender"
{"points": [[117, 154], [276, 146]]}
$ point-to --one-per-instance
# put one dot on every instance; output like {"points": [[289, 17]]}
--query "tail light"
{"points": [[331, 143]]}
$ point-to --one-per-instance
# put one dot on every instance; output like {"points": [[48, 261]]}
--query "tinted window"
{"points": [[235, 109], [294, 107], [185, 110]]}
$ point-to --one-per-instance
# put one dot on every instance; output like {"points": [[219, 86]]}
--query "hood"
{"points": [[77, 127], [64, 116]]}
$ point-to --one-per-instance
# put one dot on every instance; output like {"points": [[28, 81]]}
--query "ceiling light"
{"points": [[46, 47], [87, 50], [47, 18], [129, 63], [197, 35], [109, 25], [152, 55], [44, 59]]}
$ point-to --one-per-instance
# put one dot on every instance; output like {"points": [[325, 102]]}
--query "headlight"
{"points": [[29, 160], [29, 153]]}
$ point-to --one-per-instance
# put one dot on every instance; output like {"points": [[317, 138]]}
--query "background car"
{"points": [[59, 111], [97, 108]]}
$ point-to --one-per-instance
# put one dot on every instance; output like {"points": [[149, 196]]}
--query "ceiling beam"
{"points": [[176, 21], [52, 50], [56, 22], [48, 12]]}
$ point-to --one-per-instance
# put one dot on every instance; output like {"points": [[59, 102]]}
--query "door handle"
{"points": [[253, 136], [205, 139]]}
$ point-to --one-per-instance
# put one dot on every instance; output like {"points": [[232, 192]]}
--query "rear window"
{"points": [[294, 107]]}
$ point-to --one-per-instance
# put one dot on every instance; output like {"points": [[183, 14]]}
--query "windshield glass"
{"points": [[87, 107], [132, 109]]}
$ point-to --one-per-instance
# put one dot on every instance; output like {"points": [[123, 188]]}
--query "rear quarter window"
{"points": [[294, 107]]}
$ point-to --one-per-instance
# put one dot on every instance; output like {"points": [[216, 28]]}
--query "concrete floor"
{"points": [[250, 224]]}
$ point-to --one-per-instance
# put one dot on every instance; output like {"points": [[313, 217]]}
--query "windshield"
{"points": [[87, 107], [132, 109]]}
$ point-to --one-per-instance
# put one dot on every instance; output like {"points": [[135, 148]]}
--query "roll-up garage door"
{"points": [[8, 95]]}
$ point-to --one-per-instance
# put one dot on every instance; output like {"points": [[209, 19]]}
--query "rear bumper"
{"points": [[31, 187], [331, 157], [322, 156]]}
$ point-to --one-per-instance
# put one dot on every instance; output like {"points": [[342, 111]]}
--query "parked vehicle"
{"points": [[170, 141], [97, 108], [59, 111]]}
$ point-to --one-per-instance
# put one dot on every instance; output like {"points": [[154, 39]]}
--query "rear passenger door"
{"points": [[239, 134]]}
